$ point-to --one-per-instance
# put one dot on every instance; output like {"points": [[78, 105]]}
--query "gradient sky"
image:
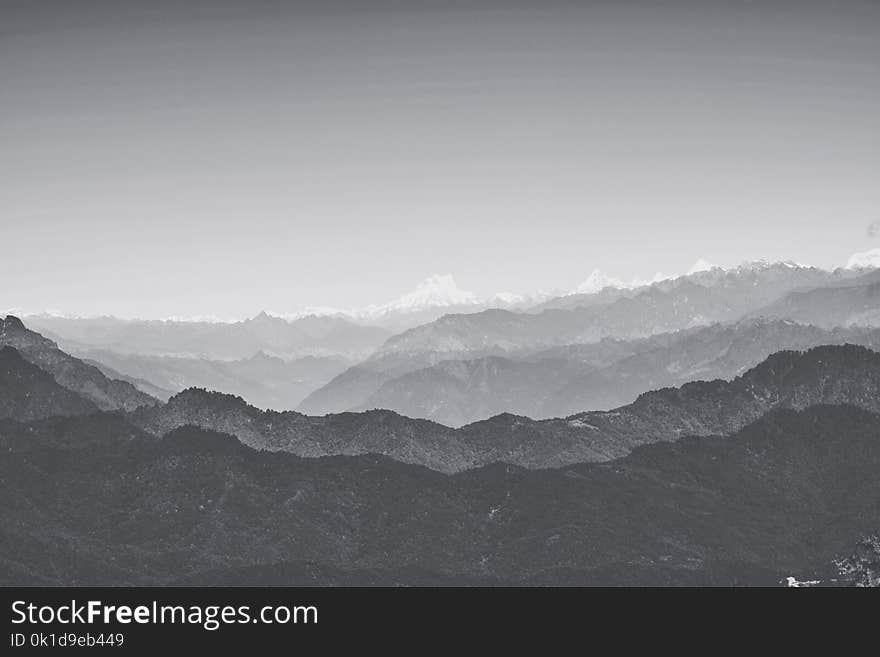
{"points": [[215, 157]]}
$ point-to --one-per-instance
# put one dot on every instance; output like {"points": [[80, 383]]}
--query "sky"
{"points": [[219, 158]]}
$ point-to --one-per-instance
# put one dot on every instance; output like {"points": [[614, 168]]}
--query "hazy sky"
{"points": [[215, 157]]}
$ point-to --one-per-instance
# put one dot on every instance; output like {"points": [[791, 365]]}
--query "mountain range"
{"points": [[852, 302], [459, 358], [697, 299], [846, 374], [311, 335], [756, 292]]}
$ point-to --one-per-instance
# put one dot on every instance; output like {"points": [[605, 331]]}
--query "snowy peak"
{"points": [[262, 317], [596, 282], [763, 265], [700, 265], [864, 260], [437, 291], [701, 272], [507, 299]]}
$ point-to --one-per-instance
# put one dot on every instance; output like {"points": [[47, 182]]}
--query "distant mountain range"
{"points": [[483, 356], [566, 380], [316, 331], [794, 492], [313, 335], [698, 299], [432, 298], [749, 285], [266, 381], [631, 315], [852, 302]]}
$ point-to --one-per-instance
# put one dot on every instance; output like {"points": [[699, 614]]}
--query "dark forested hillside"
{"points": [[28, 393], [785, 495]]}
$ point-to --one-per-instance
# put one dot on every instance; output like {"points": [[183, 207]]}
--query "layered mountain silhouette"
{"points": [[354, 387], [71, 373], [718, 351], [565, 380], [343, 362], [767, 478], [785, 494], [845, 374], [853, 302], [698, 299], [266, 381], [458, 392]]}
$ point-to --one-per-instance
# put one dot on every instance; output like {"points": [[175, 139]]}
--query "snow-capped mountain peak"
{"points": [[596, 282], [657, 278], [437, 291], [507, 298], [864, 260], [763, 264], [701, 265]]}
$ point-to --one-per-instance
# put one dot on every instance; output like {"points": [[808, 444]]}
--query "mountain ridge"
{"points": [[29, 393], [845, 374], [198, 506], [72, 373], [563, 380]]}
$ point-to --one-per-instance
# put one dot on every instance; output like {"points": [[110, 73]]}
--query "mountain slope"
{"points": [[376, 432], [353, 388], [714, 352], [853, 302], [72, 373], [345, 391], [824, 375], [458, 392], [28, 393], [784, 495]]}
